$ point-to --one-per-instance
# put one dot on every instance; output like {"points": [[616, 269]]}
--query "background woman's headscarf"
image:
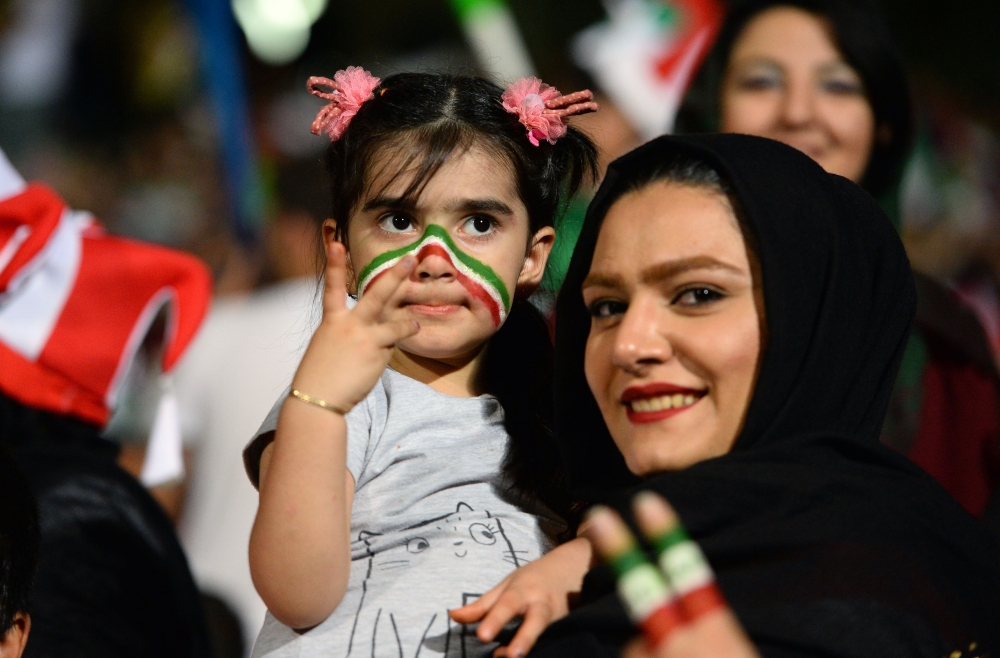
{"points": [[821, 537]]}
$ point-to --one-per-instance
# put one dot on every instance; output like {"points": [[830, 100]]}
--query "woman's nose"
{"points": [[434, 266], [641, 340], [797, 103]]}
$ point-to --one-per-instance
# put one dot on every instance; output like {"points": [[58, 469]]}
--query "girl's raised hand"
{"points": [[677, 606], [351, 347]]}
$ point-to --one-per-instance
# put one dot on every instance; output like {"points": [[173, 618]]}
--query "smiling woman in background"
{"points": [[826, 77]]}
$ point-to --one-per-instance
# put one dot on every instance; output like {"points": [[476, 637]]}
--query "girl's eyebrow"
{"points": [[480, 205], [396, 203], [461, 205]]}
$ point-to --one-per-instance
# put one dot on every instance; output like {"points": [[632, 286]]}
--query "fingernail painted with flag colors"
{"points": [[478, 278]]}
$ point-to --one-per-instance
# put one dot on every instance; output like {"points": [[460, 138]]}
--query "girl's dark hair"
{"points": [[863, 38], [429, 118]]}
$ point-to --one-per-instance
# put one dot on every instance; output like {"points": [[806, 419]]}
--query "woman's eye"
{"points": [[396, 223], [479, 225], [841, 87], [607, 309], [759, 82], [697, 297]]}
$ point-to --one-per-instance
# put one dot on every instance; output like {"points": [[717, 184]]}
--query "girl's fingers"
{"points": [[680, 558], [335, 288], [536, 619], [388, 334], [372, 304]]}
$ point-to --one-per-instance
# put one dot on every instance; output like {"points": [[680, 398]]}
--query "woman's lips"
{"points": [[659, 400]]}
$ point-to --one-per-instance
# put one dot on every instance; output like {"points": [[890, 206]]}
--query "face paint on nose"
{"points": [[477, 277]]}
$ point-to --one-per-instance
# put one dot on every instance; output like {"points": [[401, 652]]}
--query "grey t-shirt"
{"points": [[431, 525]]}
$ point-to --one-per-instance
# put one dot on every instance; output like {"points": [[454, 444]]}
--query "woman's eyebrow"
{"points": [[661, 271], [672, 268]]}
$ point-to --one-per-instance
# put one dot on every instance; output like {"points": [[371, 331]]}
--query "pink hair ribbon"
{"points": [[543, 110], [351, 88]]}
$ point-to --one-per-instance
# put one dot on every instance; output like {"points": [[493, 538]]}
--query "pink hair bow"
{"points": [[543, 110], [352, 87]]}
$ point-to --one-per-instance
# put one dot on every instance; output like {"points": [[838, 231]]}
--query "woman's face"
{"points": [[675, 331], [786, 80]]}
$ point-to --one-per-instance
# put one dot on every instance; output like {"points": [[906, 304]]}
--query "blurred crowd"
{"points": [[127, 110]]}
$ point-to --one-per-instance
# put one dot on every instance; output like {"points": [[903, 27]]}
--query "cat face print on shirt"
{"points": [[430, 567], [462, 532]]}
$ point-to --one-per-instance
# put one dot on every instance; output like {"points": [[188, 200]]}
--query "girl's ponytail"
{"points": [[517, 369]]}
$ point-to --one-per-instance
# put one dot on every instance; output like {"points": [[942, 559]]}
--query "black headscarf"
{"points": [[824, 542]]}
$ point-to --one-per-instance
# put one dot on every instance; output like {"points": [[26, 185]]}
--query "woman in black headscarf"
{"points": [[823, 541]]}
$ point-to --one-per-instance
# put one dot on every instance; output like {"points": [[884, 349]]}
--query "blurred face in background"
{"points": [[786, 80]]}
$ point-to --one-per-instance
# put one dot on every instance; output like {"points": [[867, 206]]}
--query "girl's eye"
{"points": [[602, 309], [697, 297], [480, 225], [395, 223]]}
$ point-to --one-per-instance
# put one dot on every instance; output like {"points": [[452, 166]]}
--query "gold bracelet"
{"points": [[323, 404]]}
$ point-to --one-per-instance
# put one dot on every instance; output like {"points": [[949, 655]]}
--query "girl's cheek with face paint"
{"points": [[482, 284]]}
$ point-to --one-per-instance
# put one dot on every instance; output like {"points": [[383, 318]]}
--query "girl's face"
{"points": [[675, 333], [786, 80], [473, 202]]}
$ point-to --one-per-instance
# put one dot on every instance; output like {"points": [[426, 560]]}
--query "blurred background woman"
{"points": [[826, 77]]}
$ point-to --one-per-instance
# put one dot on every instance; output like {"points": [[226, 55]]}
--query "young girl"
{"points": [[390, 495]]}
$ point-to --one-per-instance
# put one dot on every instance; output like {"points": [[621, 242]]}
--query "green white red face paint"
{"points": [[478, 278], [659, 601]]}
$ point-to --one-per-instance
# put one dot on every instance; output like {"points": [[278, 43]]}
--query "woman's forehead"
{"points": [[789, 34], [665, 220]]}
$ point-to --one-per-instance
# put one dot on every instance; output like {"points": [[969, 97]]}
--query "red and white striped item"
{"points": [[76, 302]]}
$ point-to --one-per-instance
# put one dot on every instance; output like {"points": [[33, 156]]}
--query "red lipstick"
{"points": [[659, 400]]}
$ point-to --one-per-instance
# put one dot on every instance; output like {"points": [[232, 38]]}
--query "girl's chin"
{"points": [[437, 345]]}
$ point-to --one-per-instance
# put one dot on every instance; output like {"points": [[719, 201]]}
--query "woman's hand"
{"points": [[678, 606], [539, 592], [351, 347]]}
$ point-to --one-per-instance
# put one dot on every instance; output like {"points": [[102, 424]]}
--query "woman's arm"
{"points": [[300, 543]]}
